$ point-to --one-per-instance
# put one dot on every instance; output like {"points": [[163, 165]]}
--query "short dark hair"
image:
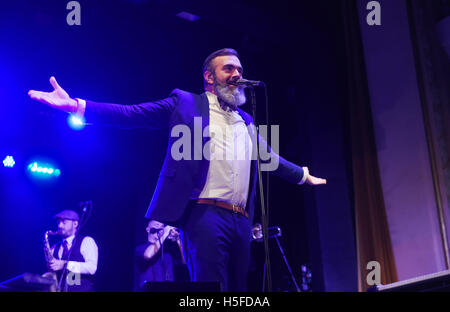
{"points": [[207, 65]]}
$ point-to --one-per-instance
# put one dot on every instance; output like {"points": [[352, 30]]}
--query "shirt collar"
{"points": [[70, 239], [214, 100]]}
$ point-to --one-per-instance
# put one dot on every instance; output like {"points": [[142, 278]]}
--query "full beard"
{"points": [[231, 97]]}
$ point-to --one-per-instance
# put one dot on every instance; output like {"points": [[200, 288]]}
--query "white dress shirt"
{"points": [[88, 250], [230, 159]]}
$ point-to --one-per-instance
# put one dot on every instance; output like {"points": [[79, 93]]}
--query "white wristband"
{"points": [[81, 107], [305, 175]]}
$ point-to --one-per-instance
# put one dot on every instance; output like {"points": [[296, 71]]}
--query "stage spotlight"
{"points": [[43, 171], [9, 162], [75, 122]]}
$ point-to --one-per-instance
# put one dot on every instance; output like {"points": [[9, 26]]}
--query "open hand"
{"points": [[58, 99], [312, 180]]}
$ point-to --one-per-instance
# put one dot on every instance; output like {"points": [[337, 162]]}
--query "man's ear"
{"points": [[209, 78], [75, 224]]}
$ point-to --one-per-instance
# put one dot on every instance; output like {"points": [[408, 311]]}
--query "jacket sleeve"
{"points": [[277, 165], [153, 115], [270, 160]]}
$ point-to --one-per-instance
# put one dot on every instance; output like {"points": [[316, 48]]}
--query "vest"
{"points": [[86, 280]]}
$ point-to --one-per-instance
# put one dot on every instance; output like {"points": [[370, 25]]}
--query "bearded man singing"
{"points": [[209, 197]]}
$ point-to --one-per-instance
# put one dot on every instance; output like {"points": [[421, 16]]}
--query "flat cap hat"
{"points": [[68, 214]]}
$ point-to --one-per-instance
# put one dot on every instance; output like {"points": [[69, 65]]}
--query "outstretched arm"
{"points": [[149, 115], [285, 169]]}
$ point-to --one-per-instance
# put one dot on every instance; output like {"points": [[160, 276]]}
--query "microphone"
{"points": [[246, 83]]}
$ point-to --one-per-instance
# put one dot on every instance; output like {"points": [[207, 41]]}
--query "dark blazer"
{"points": [[179, 178]]}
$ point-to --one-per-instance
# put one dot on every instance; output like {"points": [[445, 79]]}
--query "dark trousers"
{"points": [[216, 245]]}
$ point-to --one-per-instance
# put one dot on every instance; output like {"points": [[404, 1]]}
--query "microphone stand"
{"points": [[287, 265], [261, 192], [258, 237]]}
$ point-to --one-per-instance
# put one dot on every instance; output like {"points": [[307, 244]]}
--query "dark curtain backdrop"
{"points": [[372, 232], [433, 79]]}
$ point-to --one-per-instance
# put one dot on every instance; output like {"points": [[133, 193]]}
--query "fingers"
{"points": [[35, 95], [54, 83], [40, 96], [316, 181]]}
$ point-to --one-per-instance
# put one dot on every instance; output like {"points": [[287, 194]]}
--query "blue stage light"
{"points": [[9, 162], [43, 171], [76, 122]]}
